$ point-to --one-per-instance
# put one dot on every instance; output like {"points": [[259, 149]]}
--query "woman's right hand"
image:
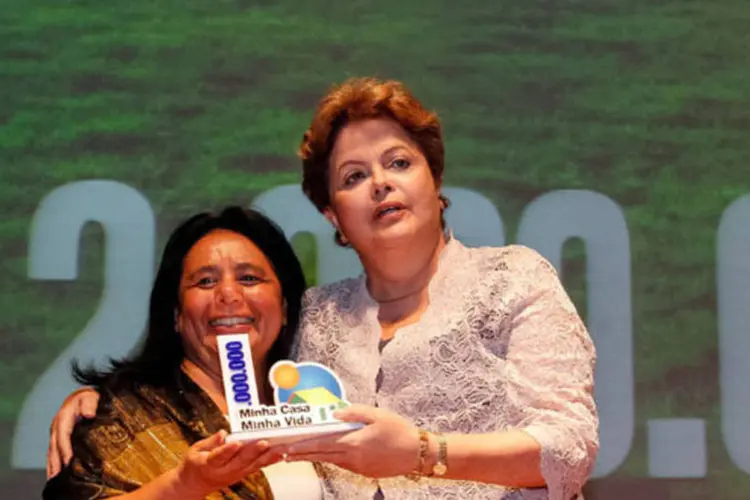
{"points": [[212, 464], [79, 404]]}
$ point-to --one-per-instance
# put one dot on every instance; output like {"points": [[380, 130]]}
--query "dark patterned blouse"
{"points": [[138, 434]]}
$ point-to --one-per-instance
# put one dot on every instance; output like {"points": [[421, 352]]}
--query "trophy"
{"points": [[305, 397]]}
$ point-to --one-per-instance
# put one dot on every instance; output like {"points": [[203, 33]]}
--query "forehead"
{"points": [[222, 246], [369, 137]]}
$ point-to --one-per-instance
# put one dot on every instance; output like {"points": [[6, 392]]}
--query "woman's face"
{"points": [[227, 286], [380, 184]]}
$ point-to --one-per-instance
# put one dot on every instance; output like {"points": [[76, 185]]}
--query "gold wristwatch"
{"points": [[441, 465]]}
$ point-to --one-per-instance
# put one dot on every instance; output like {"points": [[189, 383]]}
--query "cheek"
{"points": [[425, 193], [268, 303], [353, 206], [192, 320], [193, 308]]}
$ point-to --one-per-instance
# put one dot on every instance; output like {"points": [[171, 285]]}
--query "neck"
{"points": [[207, 380], [402, 272]]}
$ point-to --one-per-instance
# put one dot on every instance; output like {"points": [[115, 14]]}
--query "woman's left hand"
{"points": [[388, 445]]}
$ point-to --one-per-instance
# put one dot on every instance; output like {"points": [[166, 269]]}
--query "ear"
{"points": [[438, 181], [331, 216], [283, 313]]}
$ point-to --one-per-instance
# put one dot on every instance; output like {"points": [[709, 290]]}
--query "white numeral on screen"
{"points": [[129, 229], [733, 276], [547, 223]]}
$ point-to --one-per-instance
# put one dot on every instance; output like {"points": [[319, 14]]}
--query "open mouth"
{"points": [[232, 322], [388, 209]]}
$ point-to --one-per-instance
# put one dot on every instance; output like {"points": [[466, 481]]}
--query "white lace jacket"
{"points": [[499, 347]]}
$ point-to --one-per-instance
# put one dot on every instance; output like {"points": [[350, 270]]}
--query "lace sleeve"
{"points": [[550, 372]]}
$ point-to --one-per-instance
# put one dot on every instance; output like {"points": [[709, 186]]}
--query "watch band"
{"points": [[441, 466]]}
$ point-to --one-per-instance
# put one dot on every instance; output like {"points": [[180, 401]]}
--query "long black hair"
{"points": [[162, 352]]}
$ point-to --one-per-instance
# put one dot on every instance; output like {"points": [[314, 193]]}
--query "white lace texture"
{"points": [[500, 347]]}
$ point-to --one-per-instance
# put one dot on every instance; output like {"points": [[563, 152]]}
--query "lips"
{"points": [[232, 321], [385, 209], [232, 324]]}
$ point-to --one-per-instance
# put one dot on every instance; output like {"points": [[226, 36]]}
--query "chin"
{"points": [[397, 232]]}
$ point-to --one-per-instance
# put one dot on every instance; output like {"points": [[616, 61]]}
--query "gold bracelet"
{"points": [[424, 444]]}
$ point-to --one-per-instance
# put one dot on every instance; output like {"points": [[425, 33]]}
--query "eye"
{"points": [[205, 282], [249, 279], [400, 163], [353, 177]]}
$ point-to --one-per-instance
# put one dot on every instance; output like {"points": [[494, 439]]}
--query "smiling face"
{"points": [[227, 286], [381, 187]]}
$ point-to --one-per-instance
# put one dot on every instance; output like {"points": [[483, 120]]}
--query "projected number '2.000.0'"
{"points": [[547, 223]]}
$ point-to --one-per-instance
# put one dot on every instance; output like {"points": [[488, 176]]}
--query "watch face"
{"points": [[439, 469]]}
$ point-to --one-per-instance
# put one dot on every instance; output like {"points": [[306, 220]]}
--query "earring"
{"points": [[341, 239], [444, 202]]}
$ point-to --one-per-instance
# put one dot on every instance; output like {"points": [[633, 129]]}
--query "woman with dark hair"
{"points": [[159, 428]]}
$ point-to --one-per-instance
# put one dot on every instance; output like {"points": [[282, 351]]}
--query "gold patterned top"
{"points": [[139, 433]]}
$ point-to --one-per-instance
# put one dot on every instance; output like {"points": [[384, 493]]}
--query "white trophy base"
{"points": [[293, 434]]}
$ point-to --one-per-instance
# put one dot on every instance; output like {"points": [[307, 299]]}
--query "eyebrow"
{"points": [[243, 266], [349, 162], [392, 149], [385, 153]]}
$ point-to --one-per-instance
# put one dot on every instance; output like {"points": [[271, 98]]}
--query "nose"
{"points": [[381, 185], [229, 294]]}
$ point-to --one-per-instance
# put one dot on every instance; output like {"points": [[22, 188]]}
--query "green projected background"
{"points": [[119, 119]]}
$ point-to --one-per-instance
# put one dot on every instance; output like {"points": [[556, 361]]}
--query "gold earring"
{"points": [[341, 239]]}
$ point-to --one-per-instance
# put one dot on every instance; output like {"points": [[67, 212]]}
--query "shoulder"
{"points": [[100, 442], [124, 410], [331, 295], [102, 438], [117, 404], [328, 312], [514, 259], [506, 276]]}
